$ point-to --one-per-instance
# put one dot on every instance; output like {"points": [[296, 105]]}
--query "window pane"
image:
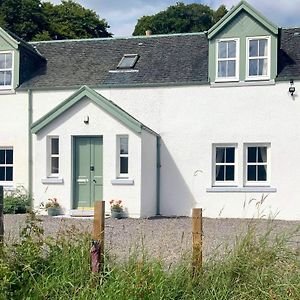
{"points": [[229, 172], [222, 69], [262, 173], [220, 173], [9, 174], [2, 173], [231, 68], [128, 61], [253, 67], [263, 45], [220, 155], [232, 49], [2, 77], [124, 145], [252, 154], [2, 157], [222, 50], [9, 157], [253, 48], [123, 165], [2, 61], [262, 66], [7, 78], [262, 154], [54, 146], [230, 155], [251, 173], [54, 165]]}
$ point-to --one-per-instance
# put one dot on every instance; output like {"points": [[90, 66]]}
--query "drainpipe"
{"points": [[158, 166], [30, 146]]}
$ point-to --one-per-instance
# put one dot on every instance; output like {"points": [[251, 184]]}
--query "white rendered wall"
{"points": [[100, 123], [148, 187], [191, 118], [14, 133]]}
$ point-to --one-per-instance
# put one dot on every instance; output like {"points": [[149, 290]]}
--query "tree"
{"points": [[36, 20], [180, 18]]}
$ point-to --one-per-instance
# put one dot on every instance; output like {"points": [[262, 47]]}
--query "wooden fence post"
{"points": [[1, 217], [98, 237], [197, 239]]}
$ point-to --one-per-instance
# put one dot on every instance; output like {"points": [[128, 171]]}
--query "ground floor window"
{"points": [[53, 156], [122, 156], [6, 164]]}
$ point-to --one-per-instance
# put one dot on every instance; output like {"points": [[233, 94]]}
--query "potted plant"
{"points": [[116, 209], [52, 206]]}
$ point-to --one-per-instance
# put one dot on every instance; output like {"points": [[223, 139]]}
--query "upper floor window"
{"points": [[258, 58], [227, 60], [128, 61], [6, 164], [6, 70]]}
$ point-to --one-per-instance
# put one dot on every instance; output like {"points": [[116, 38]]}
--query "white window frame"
{"points": [[8, 87], [258, 77], [237, 60], [50, 155], [235, 164], [257, 183], [119, 155], [10, 182]]}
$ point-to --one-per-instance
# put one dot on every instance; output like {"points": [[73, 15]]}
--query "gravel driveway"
{"points": [[166, 238]]}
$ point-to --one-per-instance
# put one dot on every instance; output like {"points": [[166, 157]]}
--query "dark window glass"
{"points": [[2, 157], [220, 155], [2, 174], [262, 173], [123, 165], [230, 173], [54, 165], [128, 61], [251, 173], [230, 155], [9, 157], [124, 145], [252, 154], [220, 173], [54, 146], [262, 154], [9, 174]]}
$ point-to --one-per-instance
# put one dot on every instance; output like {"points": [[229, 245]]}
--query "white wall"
{"points": [[14, 133], [100, 123], [148, 188]]}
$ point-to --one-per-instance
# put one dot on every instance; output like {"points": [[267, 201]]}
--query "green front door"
{"points": [[88, 171]]}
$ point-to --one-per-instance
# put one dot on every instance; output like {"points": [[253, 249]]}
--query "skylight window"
{"points": [[128, 61]]}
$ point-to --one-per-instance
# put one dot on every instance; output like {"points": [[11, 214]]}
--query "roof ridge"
{"points": [[119, 38]]}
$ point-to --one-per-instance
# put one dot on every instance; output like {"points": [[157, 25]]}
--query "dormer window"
{"points": [[128, 61], [6, 70], [258, 58], [227, 60]]}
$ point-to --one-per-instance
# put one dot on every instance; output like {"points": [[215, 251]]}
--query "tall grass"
{"points": [[259, 266]]}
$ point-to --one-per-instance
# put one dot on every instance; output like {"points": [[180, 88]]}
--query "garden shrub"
{"points": [[16, 202]]}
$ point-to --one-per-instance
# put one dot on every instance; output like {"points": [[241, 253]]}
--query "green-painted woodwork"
{"points": [[242, 26], [98, 99], [88, 171]]}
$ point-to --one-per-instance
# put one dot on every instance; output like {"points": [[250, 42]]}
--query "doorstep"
{"points": [[82, 212]]}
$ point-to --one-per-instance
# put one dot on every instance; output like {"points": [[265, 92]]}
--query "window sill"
{"points": [[120, 181], [7, 91], [123, 71], [54, 180], [253, 189], [260, 82]]}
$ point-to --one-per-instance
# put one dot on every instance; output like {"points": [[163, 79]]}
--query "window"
{"points": [[258, 58], [6, 63], [6, 164], [224, 171], [53, 156], [227, 60], [122, 156], [128, 61], [257, 164]]}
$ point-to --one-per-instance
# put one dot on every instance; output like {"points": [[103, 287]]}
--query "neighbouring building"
{"points": [[163, 122]]}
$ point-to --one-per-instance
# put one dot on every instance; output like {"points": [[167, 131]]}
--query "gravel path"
{"points": [[166, 238]]}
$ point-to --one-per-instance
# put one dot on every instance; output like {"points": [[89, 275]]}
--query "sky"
{"points": [[122, 15]]}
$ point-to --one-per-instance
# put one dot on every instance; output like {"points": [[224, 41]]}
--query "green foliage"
{"points": [[259, 266], [37, 20], [180, 18], [17, 202]]}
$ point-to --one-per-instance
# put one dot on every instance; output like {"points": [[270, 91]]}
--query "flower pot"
{"points": [[53, 211], [116, 214]]}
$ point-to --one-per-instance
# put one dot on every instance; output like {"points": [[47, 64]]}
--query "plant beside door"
{"points": [[52, 207], [116, 209]]}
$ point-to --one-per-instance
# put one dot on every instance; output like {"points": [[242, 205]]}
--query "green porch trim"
{"points": [[30, 147], [243, 5], [107, 105], [9, 39]]}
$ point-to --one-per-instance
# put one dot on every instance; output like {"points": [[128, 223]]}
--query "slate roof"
{"points": [[289, 54], [164, 59]]}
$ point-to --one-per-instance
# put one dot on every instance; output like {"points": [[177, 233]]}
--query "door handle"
{"points": [[94, 181]]}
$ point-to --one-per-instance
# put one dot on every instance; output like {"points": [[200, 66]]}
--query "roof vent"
{"points": [[128, 61], [148, 32]]}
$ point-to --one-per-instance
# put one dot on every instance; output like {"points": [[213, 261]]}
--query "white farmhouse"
{"points": [[163, 122]]}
